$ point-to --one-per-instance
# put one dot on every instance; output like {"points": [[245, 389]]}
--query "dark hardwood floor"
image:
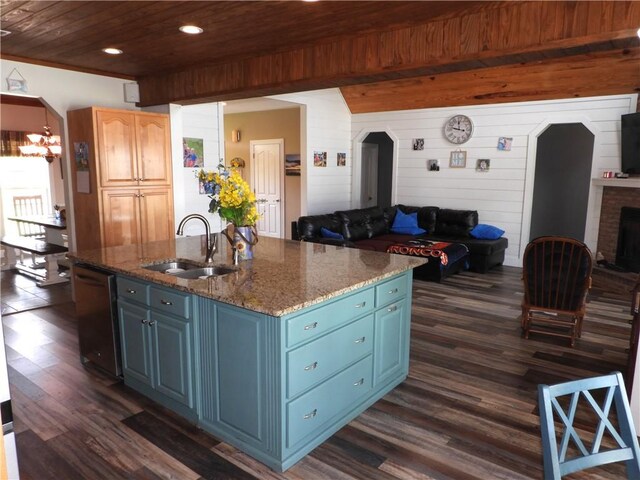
{"points": [[467, 411]]}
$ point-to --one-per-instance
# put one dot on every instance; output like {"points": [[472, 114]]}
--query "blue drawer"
{"points": [[132, 290], [170, 301], [391, 290], [315, 410], [318, 360], [328, 316]]}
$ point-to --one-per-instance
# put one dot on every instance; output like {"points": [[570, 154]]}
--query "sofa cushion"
{"points": [[455, 223], [476, 246], [407, 224], [363, 223], [309, 227], [486, 232], [426, 216], [326, 233]]}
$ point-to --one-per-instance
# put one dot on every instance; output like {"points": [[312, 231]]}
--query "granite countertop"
{"points": [[283, 277]]}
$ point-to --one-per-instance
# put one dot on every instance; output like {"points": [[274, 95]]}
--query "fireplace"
{"points": [[628, 251]]}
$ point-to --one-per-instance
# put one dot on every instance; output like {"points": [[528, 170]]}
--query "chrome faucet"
{"points": [[212, 241]]}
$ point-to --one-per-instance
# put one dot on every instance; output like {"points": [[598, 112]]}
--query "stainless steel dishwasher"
{"points": [[96, 309]]}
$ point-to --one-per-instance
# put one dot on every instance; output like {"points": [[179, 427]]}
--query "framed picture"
{"points": [[458, 159], [418, 143], [192, 153], [483, 165], [292, 164], [504, 143], [432, 166], [319, 159], [342, 159]]}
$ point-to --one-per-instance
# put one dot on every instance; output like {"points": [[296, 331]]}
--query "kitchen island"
{"points": [[273, 357]]}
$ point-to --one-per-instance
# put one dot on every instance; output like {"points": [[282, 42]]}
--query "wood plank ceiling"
{"points": [[384, 55]]}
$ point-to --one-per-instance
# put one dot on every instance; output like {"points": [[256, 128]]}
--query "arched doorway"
{"points": [[374, 173], [562, 180]]}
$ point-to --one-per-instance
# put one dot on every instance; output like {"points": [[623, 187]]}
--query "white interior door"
{"points": [[267, 174], [369, 190]]}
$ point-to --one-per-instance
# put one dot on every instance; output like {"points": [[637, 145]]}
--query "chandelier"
{"points": [[44, 144]]}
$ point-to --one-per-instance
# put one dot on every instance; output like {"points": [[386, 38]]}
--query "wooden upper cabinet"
{"points": [[134, 149], [117, 157], [154, 149]]}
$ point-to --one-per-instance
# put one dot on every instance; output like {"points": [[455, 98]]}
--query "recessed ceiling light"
{"points": [[112, 51], [639, 32], [190, 29], [4, 33]]}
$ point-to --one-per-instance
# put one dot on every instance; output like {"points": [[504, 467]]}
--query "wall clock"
{"points": [[458, 129]]}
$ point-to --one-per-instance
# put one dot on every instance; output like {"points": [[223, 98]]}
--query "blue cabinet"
{"points": [[136, 342], [274, 387], [157, 343]]}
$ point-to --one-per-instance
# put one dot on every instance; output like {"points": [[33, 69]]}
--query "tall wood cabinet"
{"points": [[123, 194]]}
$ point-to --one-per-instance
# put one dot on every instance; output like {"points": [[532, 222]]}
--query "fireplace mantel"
{"points": [[633, 182]]}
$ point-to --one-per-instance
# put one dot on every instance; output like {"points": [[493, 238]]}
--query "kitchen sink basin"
{"points": [[205, 272], [172, 268]]}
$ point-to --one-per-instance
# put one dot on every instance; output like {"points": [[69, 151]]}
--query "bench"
{"points": [[50, 275]]}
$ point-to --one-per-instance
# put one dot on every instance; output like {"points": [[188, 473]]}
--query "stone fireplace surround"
{"points": [[614, 197], [616, 193]]}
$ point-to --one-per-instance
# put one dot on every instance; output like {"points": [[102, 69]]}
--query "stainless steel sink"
{"points": [[204, 272], [172, 268]]}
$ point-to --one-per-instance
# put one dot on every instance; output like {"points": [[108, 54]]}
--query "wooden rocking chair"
{"points": [[557, 277]]}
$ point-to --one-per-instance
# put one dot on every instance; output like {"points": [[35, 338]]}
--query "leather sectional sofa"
{"points": [[370, 228]]}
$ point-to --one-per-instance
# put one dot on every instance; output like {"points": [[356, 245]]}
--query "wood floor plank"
{"points": [[199, 459], [38, 461]]}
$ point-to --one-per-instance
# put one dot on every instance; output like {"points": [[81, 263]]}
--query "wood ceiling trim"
{"points": [[578, 76], [20, 100], [515, 32], [45, 63]]}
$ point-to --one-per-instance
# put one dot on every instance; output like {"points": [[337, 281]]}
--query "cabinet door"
{"points": [[156, 214], [390, 342], [136, 347], [116, 148], [154, 149], [172, 357], [120, 217]]}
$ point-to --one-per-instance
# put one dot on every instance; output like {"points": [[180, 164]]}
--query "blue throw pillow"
{"points": [[406, 224], [486, 232], [326, 233]]}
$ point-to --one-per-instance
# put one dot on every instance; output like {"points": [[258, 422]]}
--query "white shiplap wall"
{"points": [[194, 121], [325, 126], [500, 195]]}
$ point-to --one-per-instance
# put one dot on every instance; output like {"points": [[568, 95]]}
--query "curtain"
{"points": [[10, 141]]}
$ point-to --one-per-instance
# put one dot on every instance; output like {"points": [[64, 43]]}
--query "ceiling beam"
{"points": [[509, 33], [569, 77]]}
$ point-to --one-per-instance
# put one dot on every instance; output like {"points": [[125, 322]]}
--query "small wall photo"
{"points": [[319, 159], [193, 152], [292, 164], [483, 165]]}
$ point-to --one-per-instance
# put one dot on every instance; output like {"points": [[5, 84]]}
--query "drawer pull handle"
{"points": [[131, 291], [311, 326], [165, 302], [144, 321], [359, 340], [359, 382], [392, 309], [360, 305], [390, 292], [313, 366], [152, 322], [311, 414]]}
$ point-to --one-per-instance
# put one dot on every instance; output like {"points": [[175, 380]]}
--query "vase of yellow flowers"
{"points": [[233, 200]]}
